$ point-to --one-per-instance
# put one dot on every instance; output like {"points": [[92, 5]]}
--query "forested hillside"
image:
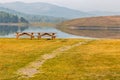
{"points": [[34, 18], [9, 18]]}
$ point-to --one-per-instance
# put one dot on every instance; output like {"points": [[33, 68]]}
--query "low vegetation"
{"points": [[103, 21], [95, 60]]}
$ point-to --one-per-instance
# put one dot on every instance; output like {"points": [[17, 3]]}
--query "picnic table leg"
{"points": [[53, 37], [17, 35], [39, 36], [32, 36]]}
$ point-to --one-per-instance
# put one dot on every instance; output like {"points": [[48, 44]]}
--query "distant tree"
{"points": [[9, 18], [15, 19], [23, 20]]}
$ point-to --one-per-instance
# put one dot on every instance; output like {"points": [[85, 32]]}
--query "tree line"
{"points": [[34, 18], [9, 18]]}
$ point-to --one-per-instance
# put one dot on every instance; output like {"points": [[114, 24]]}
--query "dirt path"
{"points": [[33, 68]]}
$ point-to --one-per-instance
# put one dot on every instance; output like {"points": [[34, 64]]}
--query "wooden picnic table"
{"points": [[39, 35]]}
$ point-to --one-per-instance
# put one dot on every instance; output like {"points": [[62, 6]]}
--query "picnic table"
{"points": [[52, 35]]}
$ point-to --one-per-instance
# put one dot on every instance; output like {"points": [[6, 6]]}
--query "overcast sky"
{"points": [[83, 5]]}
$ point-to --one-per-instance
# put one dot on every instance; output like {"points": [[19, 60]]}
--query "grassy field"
{"points": [[15, 54], [95, 60]]}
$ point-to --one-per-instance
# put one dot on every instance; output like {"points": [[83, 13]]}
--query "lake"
{"points": [[10, 31], [77, 32]]}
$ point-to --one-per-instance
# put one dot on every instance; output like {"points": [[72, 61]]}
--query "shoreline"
{"points": [[13, 24], [29, 24]]}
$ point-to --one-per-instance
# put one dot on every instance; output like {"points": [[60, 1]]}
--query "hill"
{"points": [[44, 9], [103, 21], [95, 27], [34, 18]]}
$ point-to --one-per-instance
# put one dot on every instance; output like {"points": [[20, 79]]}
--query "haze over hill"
{"points": [[104, 13], [44, 9]]}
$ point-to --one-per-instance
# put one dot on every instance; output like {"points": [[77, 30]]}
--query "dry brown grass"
{"points": [[103, 21], [15, 54], [97, 60]]}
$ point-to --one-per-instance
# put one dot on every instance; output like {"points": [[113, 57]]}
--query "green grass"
{"points": [[15, 54]]}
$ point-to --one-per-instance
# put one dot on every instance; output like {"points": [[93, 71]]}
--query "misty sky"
{"points": [[83, 5]]}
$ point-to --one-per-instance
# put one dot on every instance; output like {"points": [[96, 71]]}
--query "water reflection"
{"points": [[9, 31], [95, 32], [6, 30]]}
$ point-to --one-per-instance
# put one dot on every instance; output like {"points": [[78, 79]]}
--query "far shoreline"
{"points": [[29, 24], [13, 24]]}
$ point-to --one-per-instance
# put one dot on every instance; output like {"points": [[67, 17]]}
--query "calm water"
{"points": [[87, 32], [9, 31], [94, 32]]}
